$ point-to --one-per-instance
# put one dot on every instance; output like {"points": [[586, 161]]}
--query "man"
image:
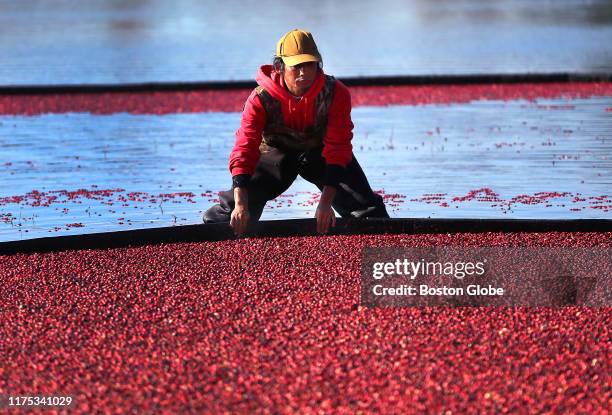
{"points": [[297, 121]]}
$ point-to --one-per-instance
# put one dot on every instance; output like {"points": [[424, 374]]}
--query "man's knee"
{"points": [[220, 213], [375, 209], [216, 214], [381, 209]]}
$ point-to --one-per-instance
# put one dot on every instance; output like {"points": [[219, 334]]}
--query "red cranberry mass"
{"points": [[166, 102], [274, 325]]}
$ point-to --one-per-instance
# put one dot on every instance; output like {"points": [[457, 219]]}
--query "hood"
{"points": [[274, 83]]}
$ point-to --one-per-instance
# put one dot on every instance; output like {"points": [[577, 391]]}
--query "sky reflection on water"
{"points": [[425, 159], [136, 41]]}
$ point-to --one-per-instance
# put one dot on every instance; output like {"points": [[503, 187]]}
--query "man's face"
{"points": [[300, 77]]}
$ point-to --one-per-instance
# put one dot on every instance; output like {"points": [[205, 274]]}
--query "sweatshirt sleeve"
{"points": [[245, 154], [337, 147]]}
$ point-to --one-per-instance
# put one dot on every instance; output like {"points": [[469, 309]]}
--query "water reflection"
{"points": [[82, 173], [71, 42]]}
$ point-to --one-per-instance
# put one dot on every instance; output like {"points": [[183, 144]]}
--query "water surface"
{"points": [[84, 173], [135, 41]]}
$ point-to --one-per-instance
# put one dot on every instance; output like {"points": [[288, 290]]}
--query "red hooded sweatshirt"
{"points": [[297, 114]]}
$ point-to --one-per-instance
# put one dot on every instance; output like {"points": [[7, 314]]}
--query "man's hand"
{"points": [[239, 220], [325, 214]]}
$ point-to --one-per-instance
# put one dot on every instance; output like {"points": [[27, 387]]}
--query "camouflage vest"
{"points": [[276, 134]]}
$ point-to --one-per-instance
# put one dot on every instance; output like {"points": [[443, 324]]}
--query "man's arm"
{"points": [[325, 214], [240, 217], [337, 146], [243, 160], [337, 152], [245, 154]]}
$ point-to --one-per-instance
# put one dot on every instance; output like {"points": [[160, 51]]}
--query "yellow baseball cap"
{"points": [[297, 46]]}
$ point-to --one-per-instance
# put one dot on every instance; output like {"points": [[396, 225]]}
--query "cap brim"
{"points": [[297, 59]]}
